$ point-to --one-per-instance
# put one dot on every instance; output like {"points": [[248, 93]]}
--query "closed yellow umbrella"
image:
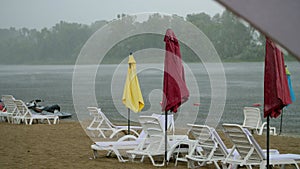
{"points": [[132, 95]]}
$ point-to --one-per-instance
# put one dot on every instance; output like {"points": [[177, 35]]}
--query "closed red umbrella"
{"points": [[175, 91], [174, 86], [276, 90]]}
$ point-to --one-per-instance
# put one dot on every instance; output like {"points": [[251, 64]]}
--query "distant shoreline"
{"points": [[240, 61]]}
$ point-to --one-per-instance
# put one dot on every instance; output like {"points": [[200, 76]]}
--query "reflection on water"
{"points": [[53, 84]]}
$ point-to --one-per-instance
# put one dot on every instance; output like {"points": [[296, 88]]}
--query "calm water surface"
{"points": [[244, 81]]}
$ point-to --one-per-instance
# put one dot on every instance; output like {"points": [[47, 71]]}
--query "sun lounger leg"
{"points": [[217, 165], [296, 165], [153, 162], [8, 118], [31, 120], [48, 121], [274, 130], [119, 156], [95, 154], [56, 120], [101, 134], [108, 153], [250, 167]]}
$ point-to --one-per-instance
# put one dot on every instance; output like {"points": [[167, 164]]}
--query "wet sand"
{"points": [[66, 145]]}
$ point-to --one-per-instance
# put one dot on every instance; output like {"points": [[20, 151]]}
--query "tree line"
{"points": [[233, 39]]}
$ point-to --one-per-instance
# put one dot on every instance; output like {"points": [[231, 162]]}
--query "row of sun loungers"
{"points": [[17, 112], [201, 146]]}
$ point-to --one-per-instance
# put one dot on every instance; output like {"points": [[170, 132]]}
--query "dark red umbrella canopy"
{"points": [[276, 90], [174, 86]]}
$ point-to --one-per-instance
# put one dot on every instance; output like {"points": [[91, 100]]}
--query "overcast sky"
{"points": [[46, 13]]}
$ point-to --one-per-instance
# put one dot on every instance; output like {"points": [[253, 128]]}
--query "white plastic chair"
{"points": [[24, 114], [250, 153], [253, 121], [101, 123]]}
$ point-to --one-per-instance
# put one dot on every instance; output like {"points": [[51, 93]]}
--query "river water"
{"points": [[243, 86]]}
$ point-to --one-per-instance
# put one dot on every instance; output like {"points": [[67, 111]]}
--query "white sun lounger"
{"points": [[155, 149], [155, 137], [101, 124], [208, 147], [127, 142], [250, 152], [24, 114]]}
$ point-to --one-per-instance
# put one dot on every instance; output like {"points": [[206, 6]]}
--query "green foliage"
{"points": [[233, 39], [133, 44], [58, 45]]}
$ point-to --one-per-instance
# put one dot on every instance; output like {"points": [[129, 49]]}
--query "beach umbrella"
{"points": [[132, 95], [276, 91], [288, 75], [175, 91]]}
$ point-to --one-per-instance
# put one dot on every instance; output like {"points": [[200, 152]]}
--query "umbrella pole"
{"points": [[128, 121], [166, 137], [281, 122], [268, 141]]}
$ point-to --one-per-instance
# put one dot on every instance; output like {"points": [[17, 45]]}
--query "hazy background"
{"points": [[53, 83], [46, 13]]}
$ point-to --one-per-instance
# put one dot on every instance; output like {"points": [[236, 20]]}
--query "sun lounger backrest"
{"points": [[155, 133], [206, 140], [200, 132], [93, 111], [170, 121], [97, 118], [240, 138], [9, 104], [151, 125], [222, 149], [141, 136], [100, 117], [255, 144], [108, 122], [22, 108]]}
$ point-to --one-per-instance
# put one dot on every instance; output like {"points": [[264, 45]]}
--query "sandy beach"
{"points": [[66, 145]]}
